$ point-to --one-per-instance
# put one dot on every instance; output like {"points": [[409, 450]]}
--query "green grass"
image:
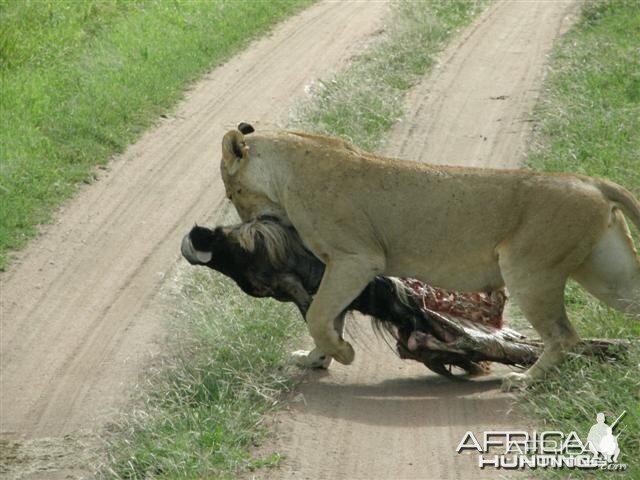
{"points": [[202, 411], [203, 406], [590, 123], [82, 79]]}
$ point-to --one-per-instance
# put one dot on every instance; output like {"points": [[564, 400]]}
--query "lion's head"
{"points": [[249, 191]]}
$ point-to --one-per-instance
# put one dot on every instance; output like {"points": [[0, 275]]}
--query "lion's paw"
{"points": [[310, 359], [515, 381]]}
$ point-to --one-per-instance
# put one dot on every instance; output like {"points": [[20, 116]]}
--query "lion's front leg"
{"points": [[316, 358], [343, 280]]}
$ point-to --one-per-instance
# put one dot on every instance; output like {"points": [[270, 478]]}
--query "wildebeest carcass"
{"points": [[438, 328]]}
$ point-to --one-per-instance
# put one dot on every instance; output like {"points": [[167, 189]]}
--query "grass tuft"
{"points": [[590, 123]]}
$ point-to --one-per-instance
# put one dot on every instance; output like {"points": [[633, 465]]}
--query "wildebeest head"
{"points": [[253, 251], [263, 257], [223, 249]]}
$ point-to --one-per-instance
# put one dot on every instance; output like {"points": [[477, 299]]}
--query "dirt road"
{"points": [[382, 418], [80, 310]]}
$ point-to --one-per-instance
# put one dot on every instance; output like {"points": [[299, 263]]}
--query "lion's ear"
{"points": [[235, 152], [245, 128]]}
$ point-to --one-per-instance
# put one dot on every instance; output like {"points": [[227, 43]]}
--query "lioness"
{"points": [[463, 229]]}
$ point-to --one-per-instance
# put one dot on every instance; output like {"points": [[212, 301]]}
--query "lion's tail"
{"points": [[622, 197]]}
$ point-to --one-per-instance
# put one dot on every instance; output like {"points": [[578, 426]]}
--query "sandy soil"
{"points": [[81, 313], [80, 309], [383, 418]]}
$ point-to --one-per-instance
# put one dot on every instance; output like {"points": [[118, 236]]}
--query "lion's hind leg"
{"points": [[540, 296], [611, 273]]}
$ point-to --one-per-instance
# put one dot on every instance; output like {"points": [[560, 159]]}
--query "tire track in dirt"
{"points": [[80, 310], [382, 418]]}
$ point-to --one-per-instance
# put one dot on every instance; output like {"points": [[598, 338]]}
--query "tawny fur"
{"points": [[463, 229]]}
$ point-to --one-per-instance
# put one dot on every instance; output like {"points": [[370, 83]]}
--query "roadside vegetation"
{"points": [[363, 102], [201, 413], [83, 79], [590, 123], [201, 409]]}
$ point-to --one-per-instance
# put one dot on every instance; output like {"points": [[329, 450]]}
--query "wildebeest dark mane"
{"points": [[267, 233]]}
